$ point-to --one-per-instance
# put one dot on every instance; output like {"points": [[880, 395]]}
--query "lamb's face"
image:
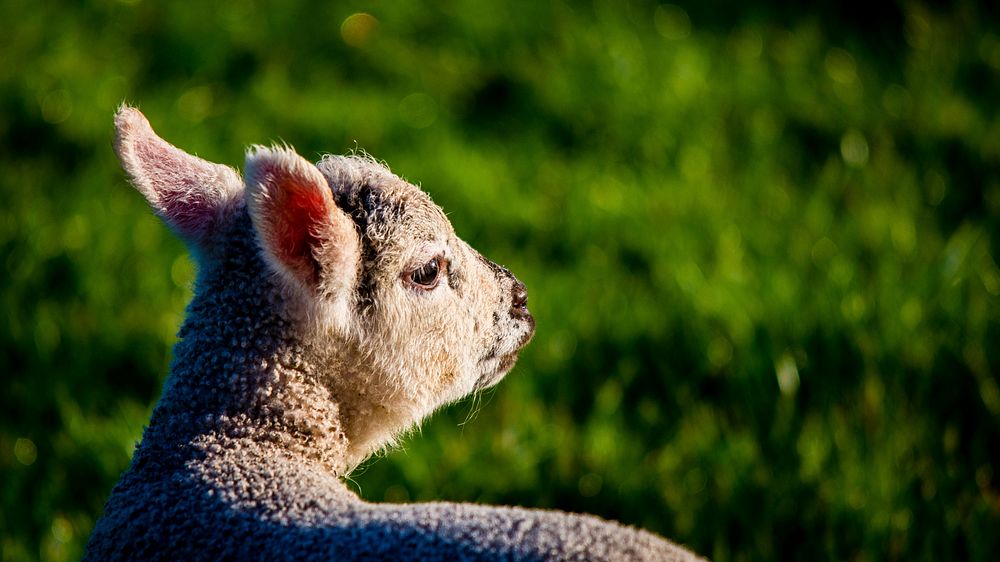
{"points": [[438, 320], [454, 319], [409, 316]]}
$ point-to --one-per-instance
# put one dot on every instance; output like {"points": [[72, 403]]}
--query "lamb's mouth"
{"points": [[497, 366]]}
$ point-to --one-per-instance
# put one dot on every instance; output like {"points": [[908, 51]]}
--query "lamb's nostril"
{"points": [[519, 302], [521, 299]]}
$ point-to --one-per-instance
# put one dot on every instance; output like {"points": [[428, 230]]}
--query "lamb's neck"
{"points": [[241, 373]]}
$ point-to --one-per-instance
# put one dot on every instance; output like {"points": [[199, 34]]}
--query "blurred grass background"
{"points": [[760, 242]]}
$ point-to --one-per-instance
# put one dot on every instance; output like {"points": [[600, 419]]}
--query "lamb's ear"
{"points": [[305, 236], [190, 194]]}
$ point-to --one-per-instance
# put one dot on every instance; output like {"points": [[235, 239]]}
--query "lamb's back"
{"points": [[251, 503]]}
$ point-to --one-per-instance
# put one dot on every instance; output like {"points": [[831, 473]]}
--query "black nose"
{"points": [[519, 300]]}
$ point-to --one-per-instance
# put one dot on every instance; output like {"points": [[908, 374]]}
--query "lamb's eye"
{"points": [[427, 275]]}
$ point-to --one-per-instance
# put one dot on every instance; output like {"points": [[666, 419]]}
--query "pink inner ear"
{"points": [[298, 213]]}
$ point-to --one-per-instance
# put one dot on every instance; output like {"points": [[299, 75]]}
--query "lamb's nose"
{"points": [[519, 302]]}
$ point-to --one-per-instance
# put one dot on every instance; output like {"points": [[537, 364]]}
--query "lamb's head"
{"points": [[396, 313]]}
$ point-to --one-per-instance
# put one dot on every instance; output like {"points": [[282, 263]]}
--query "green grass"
{"points": [[760, 244]]}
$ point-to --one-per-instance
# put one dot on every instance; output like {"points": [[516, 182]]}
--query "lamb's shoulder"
{"points": [[304, 512], [246, 501], [220, 499]]}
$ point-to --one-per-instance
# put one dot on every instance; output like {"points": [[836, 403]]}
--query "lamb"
{"points": [[334, 309]]}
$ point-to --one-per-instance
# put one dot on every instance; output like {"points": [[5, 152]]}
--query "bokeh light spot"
{"points": [[418, 110], [854, 149], [917, 30], [720, 352], [672, 22], [76, 232], [694, 162], [25, 451], [936, 188], [195, 104], [911, 314], [840, 66], [991, 280], [854, 307], [357, 29], [989, 50], [823, 250], [788, 374], [47, 333], [904, 236], [62, 529], [57, 106]]}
